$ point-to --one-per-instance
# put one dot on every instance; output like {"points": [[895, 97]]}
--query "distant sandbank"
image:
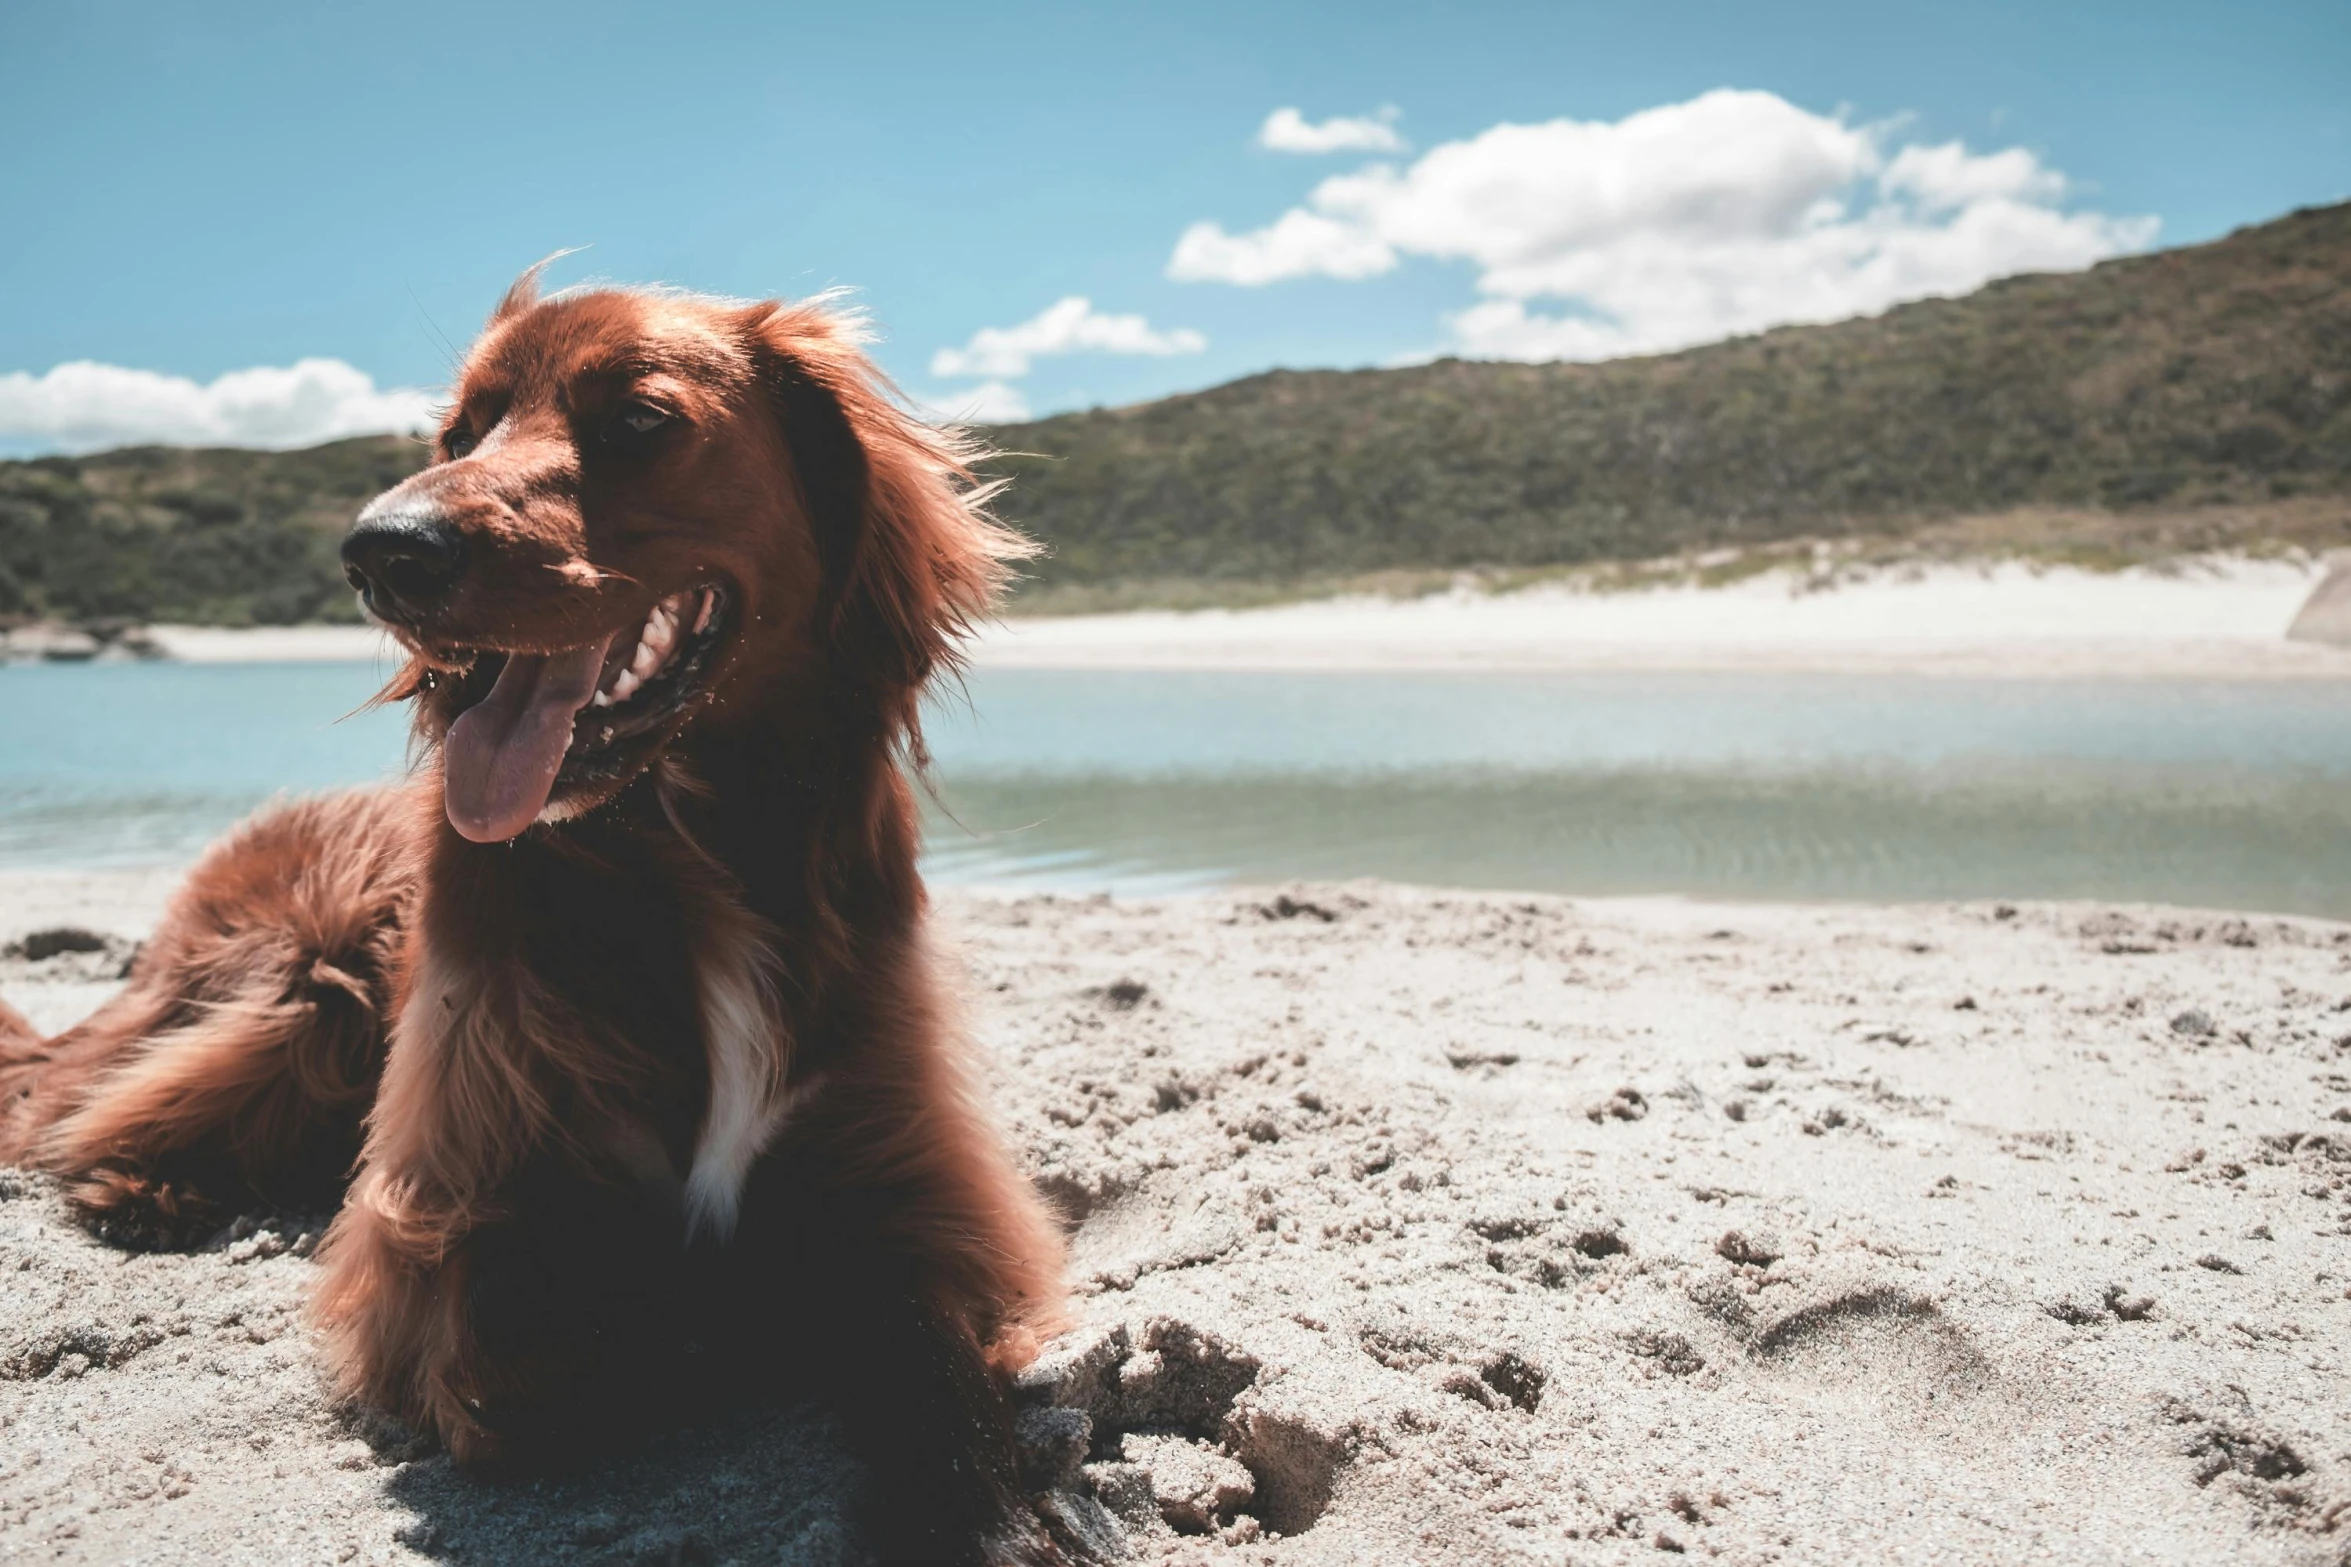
{"points": [[274, 644], [2211, 617]]}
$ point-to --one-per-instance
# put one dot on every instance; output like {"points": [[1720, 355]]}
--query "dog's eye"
{"points": [[634, 421], [457, 440]]}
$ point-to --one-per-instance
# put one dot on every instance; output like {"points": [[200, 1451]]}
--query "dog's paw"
{"points": [[540, 1381], [141, 1212], [1045, 1534]]}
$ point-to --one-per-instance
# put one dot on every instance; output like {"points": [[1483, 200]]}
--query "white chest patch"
{"points": [[742, 1033]]}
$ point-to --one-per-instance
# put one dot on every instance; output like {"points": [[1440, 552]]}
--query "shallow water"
{"points": [[1778, 786]]}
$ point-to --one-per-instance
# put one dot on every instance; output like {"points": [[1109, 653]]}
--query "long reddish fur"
{"points": [[346, 985]]}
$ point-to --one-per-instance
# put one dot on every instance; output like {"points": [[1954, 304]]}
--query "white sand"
{"points": [[275, 644], [2211, 617], [1438, 1228], [2221, 617]]}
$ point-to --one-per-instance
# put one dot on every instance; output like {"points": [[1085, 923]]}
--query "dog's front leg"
{"points": [[814, 1292], [524, 1329], [452, 1290], [933, 1420], [391, 1299]]}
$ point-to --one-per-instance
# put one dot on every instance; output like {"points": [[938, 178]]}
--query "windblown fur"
{"points": [[674, 1064]]}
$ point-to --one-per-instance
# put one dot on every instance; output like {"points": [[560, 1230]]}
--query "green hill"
{"points": [[2192, 397], [2218, 373], [157, 533]]}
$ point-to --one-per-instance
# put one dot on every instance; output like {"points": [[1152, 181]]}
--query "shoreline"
{"points": [[2215, 617]]}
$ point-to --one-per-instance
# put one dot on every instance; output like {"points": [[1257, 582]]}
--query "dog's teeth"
{"points": [[601, 699], [645, 661], [702, 615], [626, 686]]}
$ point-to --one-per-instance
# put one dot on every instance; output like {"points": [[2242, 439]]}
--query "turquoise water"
{"points": [[1780, 786]]}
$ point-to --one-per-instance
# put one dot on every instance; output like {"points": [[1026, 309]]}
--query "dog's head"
{"points": [[652, 517]]}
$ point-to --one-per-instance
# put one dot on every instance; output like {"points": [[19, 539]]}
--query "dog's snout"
{"points": [[402, 557]]}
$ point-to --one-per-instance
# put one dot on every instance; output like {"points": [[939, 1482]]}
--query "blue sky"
{"points": [[202, 190]]}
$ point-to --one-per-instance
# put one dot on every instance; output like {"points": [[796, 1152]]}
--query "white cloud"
{"points": [[1068, 326], [990, 402], [1296, 244], [1678, 225], [1949, 176], [1286, 130], [83, 406]]}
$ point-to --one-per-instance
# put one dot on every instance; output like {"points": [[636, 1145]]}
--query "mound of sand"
{"points": [[1424, 1227]]}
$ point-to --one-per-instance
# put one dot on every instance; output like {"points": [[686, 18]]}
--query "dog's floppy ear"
{"points": [[911, 557]]}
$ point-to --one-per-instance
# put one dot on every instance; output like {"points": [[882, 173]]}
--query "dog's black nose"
{"points": [[402, 557]]}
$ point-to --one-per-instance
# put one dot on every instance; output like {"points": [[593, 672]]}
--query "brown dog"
{"points": [[623, 1005]]}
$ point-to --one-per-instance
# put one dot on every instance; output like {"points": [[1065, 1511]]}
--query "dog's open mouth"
{"points": [[642, 685], [536, 724]]}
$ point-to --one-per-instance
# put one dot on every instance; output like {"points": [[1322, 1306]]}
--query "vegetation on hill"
{"points": [[2181, 400], [2219, 373], [155, 533]]}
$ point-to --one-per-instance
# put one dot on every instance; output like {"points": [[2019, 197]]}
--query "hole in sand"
{"points": [[1178, 1433], [1876, 1332], [1597, 1243], [1510, 1375]]}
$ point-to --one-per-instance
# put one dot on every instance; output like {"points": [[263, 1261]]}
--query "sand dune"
{"points": [[1424, 1227]]}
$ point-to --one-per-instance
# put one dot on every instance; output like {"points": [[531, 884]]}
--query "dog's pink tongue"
{"points": [[501, 756]]}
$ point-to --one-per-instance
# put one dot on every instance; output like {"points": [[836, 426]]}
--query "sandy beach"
{"points": [[2218, 617], [1418, 1227]]}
